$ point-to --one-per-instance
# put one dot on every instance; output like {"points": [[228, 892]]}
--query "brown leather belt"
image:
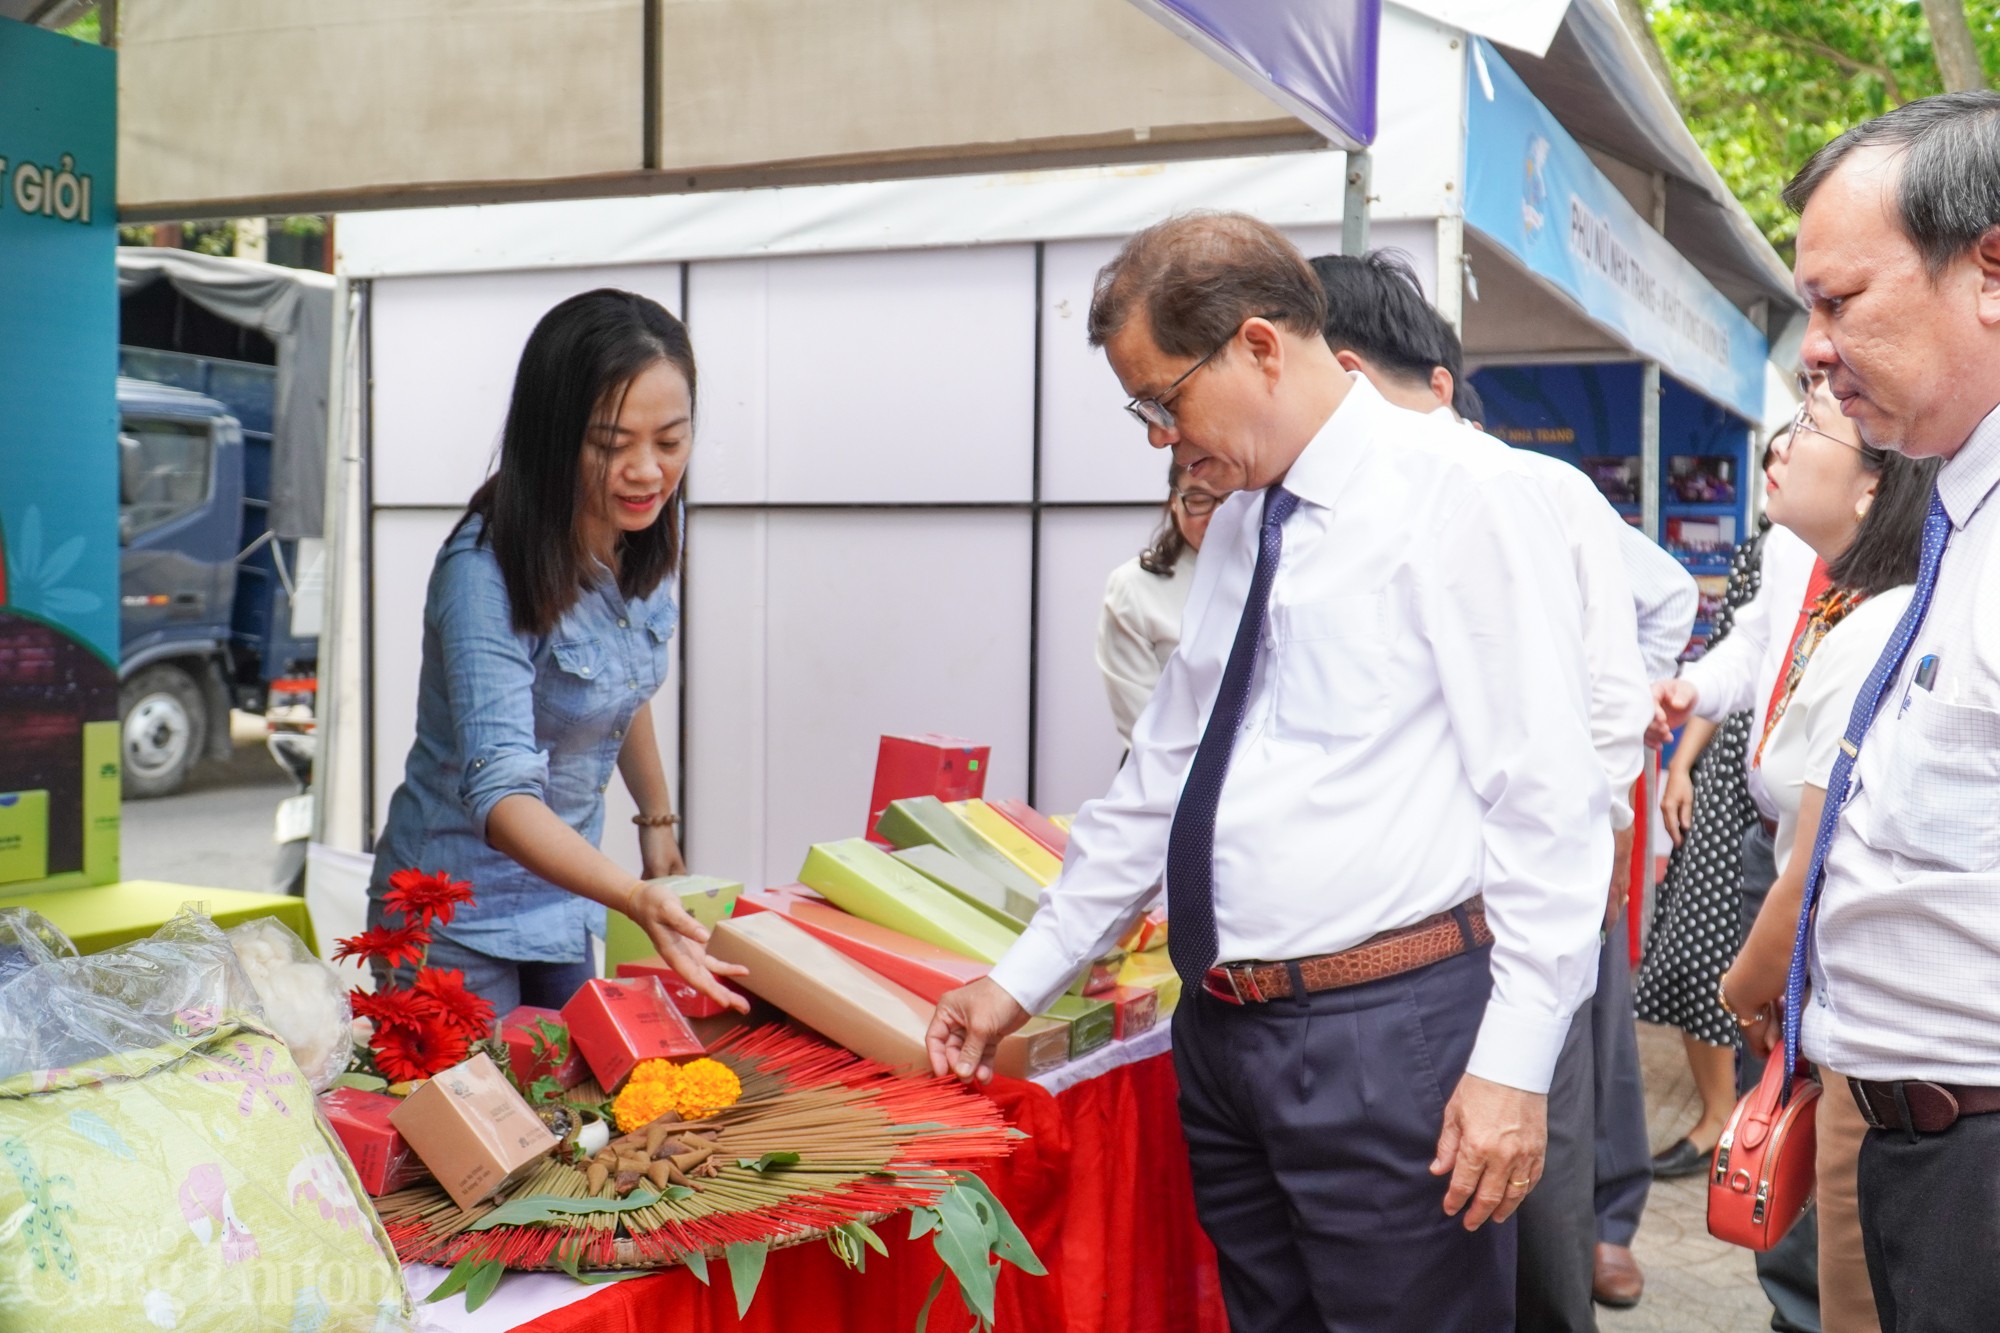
{"points": [[1432, 940], [1920, 1107]]}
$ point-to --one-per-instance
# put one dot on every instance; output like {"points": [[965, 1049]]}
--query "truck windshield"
{"points": [[163, 468]]}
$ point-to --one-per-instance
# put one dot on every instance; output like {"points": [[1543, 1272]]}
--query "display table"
{"points": [[104, 915], [1100, 1186]]}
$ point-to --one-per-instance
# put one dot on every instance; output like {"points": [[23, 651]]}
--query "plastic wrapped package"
{"points": [[162, 1160], [303, 998]]}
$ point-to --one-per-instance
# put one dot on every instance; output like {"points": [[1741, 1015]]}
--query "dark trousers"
{"points": [[1789, 1270], [1558, 1224], [1930, 1222], [1624, 1158], [1311, 1125]]}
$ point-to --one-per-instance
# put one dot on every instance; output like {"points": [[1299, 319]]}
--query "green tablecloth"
{"points": [[105, 915]]}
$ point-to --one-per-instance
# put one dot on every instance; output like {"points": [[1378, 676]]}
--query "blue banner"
{"points": [[1534, 192], [1315, 58]]}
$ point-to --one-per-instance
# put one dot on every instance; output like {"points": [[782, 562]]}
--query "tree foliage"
{"points": [[1763, 83]]}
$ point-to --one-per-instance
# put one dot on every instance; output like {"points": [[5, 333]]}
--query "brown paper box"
{"points": [[474, 1132], [861, 1010]]}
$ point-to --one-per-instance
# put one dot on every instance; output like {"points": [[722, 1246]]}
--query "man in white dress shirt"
{"points": [[1368, 778], [1899, 265], [1577, 1228]]}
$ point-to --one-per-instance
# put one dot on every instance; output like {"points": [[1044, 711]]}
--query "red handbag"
{"points": [[1761, 1178]]}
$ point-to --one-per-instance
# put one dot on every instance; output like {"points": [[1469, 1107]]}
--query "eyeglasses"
{"points": [[1154, 412], [1196, 503], [1804, 421]]}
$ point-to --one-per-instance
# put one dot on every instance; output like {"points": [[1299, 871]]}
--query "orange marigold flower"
{"points": [[643, 1101], [706, 1086]]}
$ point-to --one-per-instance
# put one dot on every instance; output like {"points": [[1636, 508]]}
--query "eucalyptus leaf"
{"points": [[454, 1281], [924, 1310], [1008, 1241], [923, 1221], [966, 1248], [530, 1209], [770, 1161], [567, 1260], [363, 1082], [746, 1270], [697, 1263], [864, 1233], [480, 1286]]}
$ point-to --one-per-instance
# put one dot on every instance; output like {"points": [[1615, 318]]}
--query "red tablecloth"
{"points": [[1100, 1186]]}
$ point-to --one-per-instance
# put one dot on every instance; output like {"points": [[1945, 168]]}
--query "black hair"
{"points": [[1949, 194], [1888, 545], [1465, 400], [1375, 308], [1168, 545], [574, 371]]}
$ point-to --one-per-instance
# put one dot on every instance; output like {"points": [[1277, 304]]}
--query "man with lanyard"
{"points": [[1367, 776]]}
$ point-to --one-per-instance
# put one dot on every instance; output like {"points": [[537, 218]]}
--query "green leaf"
{"points": [[864, 1233], [697, 1263], [924, 1310], [770, 1161], [966, 1248], [365, 1082], [530, 1209], [1008, 1241], [567, 1259], [746, 1270], [923, 1221], [544, 1090], [454, 1281], [481, 1284]]}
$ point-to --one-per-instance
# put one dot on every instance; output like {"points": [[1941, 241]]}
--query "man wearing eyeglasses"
{"points": [[1367, 776]]}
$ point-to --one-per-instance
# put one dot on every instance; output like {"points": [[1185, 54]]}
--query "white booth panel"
{"points": [[811, 635], [1076, 743], [406, 545], [444, 351], [903, 376]]}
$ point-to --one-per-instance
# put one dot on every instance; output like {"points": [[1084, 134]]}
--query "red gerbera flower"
{"points": [[393, 1008], [445, 988], [419, 1051], [394, 945], [432, 897]]}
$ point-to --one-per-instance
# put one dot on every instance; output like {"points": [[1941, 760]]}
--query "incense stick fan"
{"points": [[820, 1139]]}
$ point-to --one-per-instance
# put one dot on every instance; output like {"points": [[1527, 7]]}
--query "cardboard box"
{"points": [[618, 1023], [1135, 1009], [946, 767], [475, 1133], [925, 821], [518, 1031], [706, 898], [381, 1156], [1035, 824], [691, 1002], [975, 886], [916, 965], [853, 1006], [868, 882], [1040, 864], [1090, 1022]]}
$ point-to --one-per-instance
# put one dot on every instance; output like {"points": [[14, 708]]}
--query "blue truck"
{"points": [[210, 565]]}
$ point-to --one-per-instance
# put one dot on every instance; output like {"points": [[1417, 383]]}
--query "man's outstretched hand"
{"points": [[1673, 705], [967, 1028]]}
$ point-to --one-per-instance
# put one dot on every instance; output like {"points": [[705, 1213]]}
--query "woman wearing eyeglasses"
{"points": [[1862, 512], [1143, 600]]}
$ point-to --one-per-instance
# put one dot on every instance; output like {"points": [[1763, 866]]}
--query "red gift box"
{"points": [[946, 767], [1135, 1009], [911, 963], [381, 1158], [1033, 823], [682, 996], [618, 1023], [517, 1029], [776, 899]]}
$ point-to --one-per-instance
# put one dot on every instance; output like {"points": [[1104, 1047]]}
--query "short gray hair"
{"points": [[1198, 276], [1949, 194]]}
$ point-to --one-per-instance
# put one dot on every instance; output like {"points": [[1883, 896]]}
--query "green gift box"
{"points": [[707, 898], [1090, 1022], [24, 836]]}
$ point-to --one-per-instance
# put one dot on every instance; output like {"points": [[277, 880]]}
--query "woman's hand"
{"points": [[660, 853], [1759, 1004], [682, 942], [1677, 804]]}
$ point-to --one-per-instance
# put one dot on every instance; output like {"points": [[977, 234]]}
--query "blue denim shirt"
{"points": [[499, 712]]}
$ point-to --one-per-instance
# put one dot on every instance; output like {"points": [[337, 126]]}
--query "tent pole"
{"points": [[1354, 211]]}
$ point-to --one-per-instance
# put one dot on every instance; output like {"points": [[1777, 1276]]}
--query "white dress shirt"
{"points": [[1906, 968], [1136, 633], [1664, 596], [1803, 744], [1742, 670], [1621, 695], [1415, 733]]}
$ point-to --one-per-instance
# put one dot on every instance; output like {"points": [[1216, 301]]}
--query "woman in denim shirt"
{"points": [[546, 628]]}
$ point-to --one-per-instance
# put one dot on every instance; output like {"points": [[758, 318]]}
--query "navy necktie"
{"points": [[1192, 940], [1937, 531]]}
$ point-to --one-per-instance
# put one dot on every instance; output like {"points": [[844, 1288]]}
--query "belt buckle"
{"points": [[1867, 1104], [1234, 995]]}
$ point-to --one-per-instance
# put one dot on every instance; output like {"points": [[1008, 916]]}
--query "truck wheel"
{"points": [[165, 720]]}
